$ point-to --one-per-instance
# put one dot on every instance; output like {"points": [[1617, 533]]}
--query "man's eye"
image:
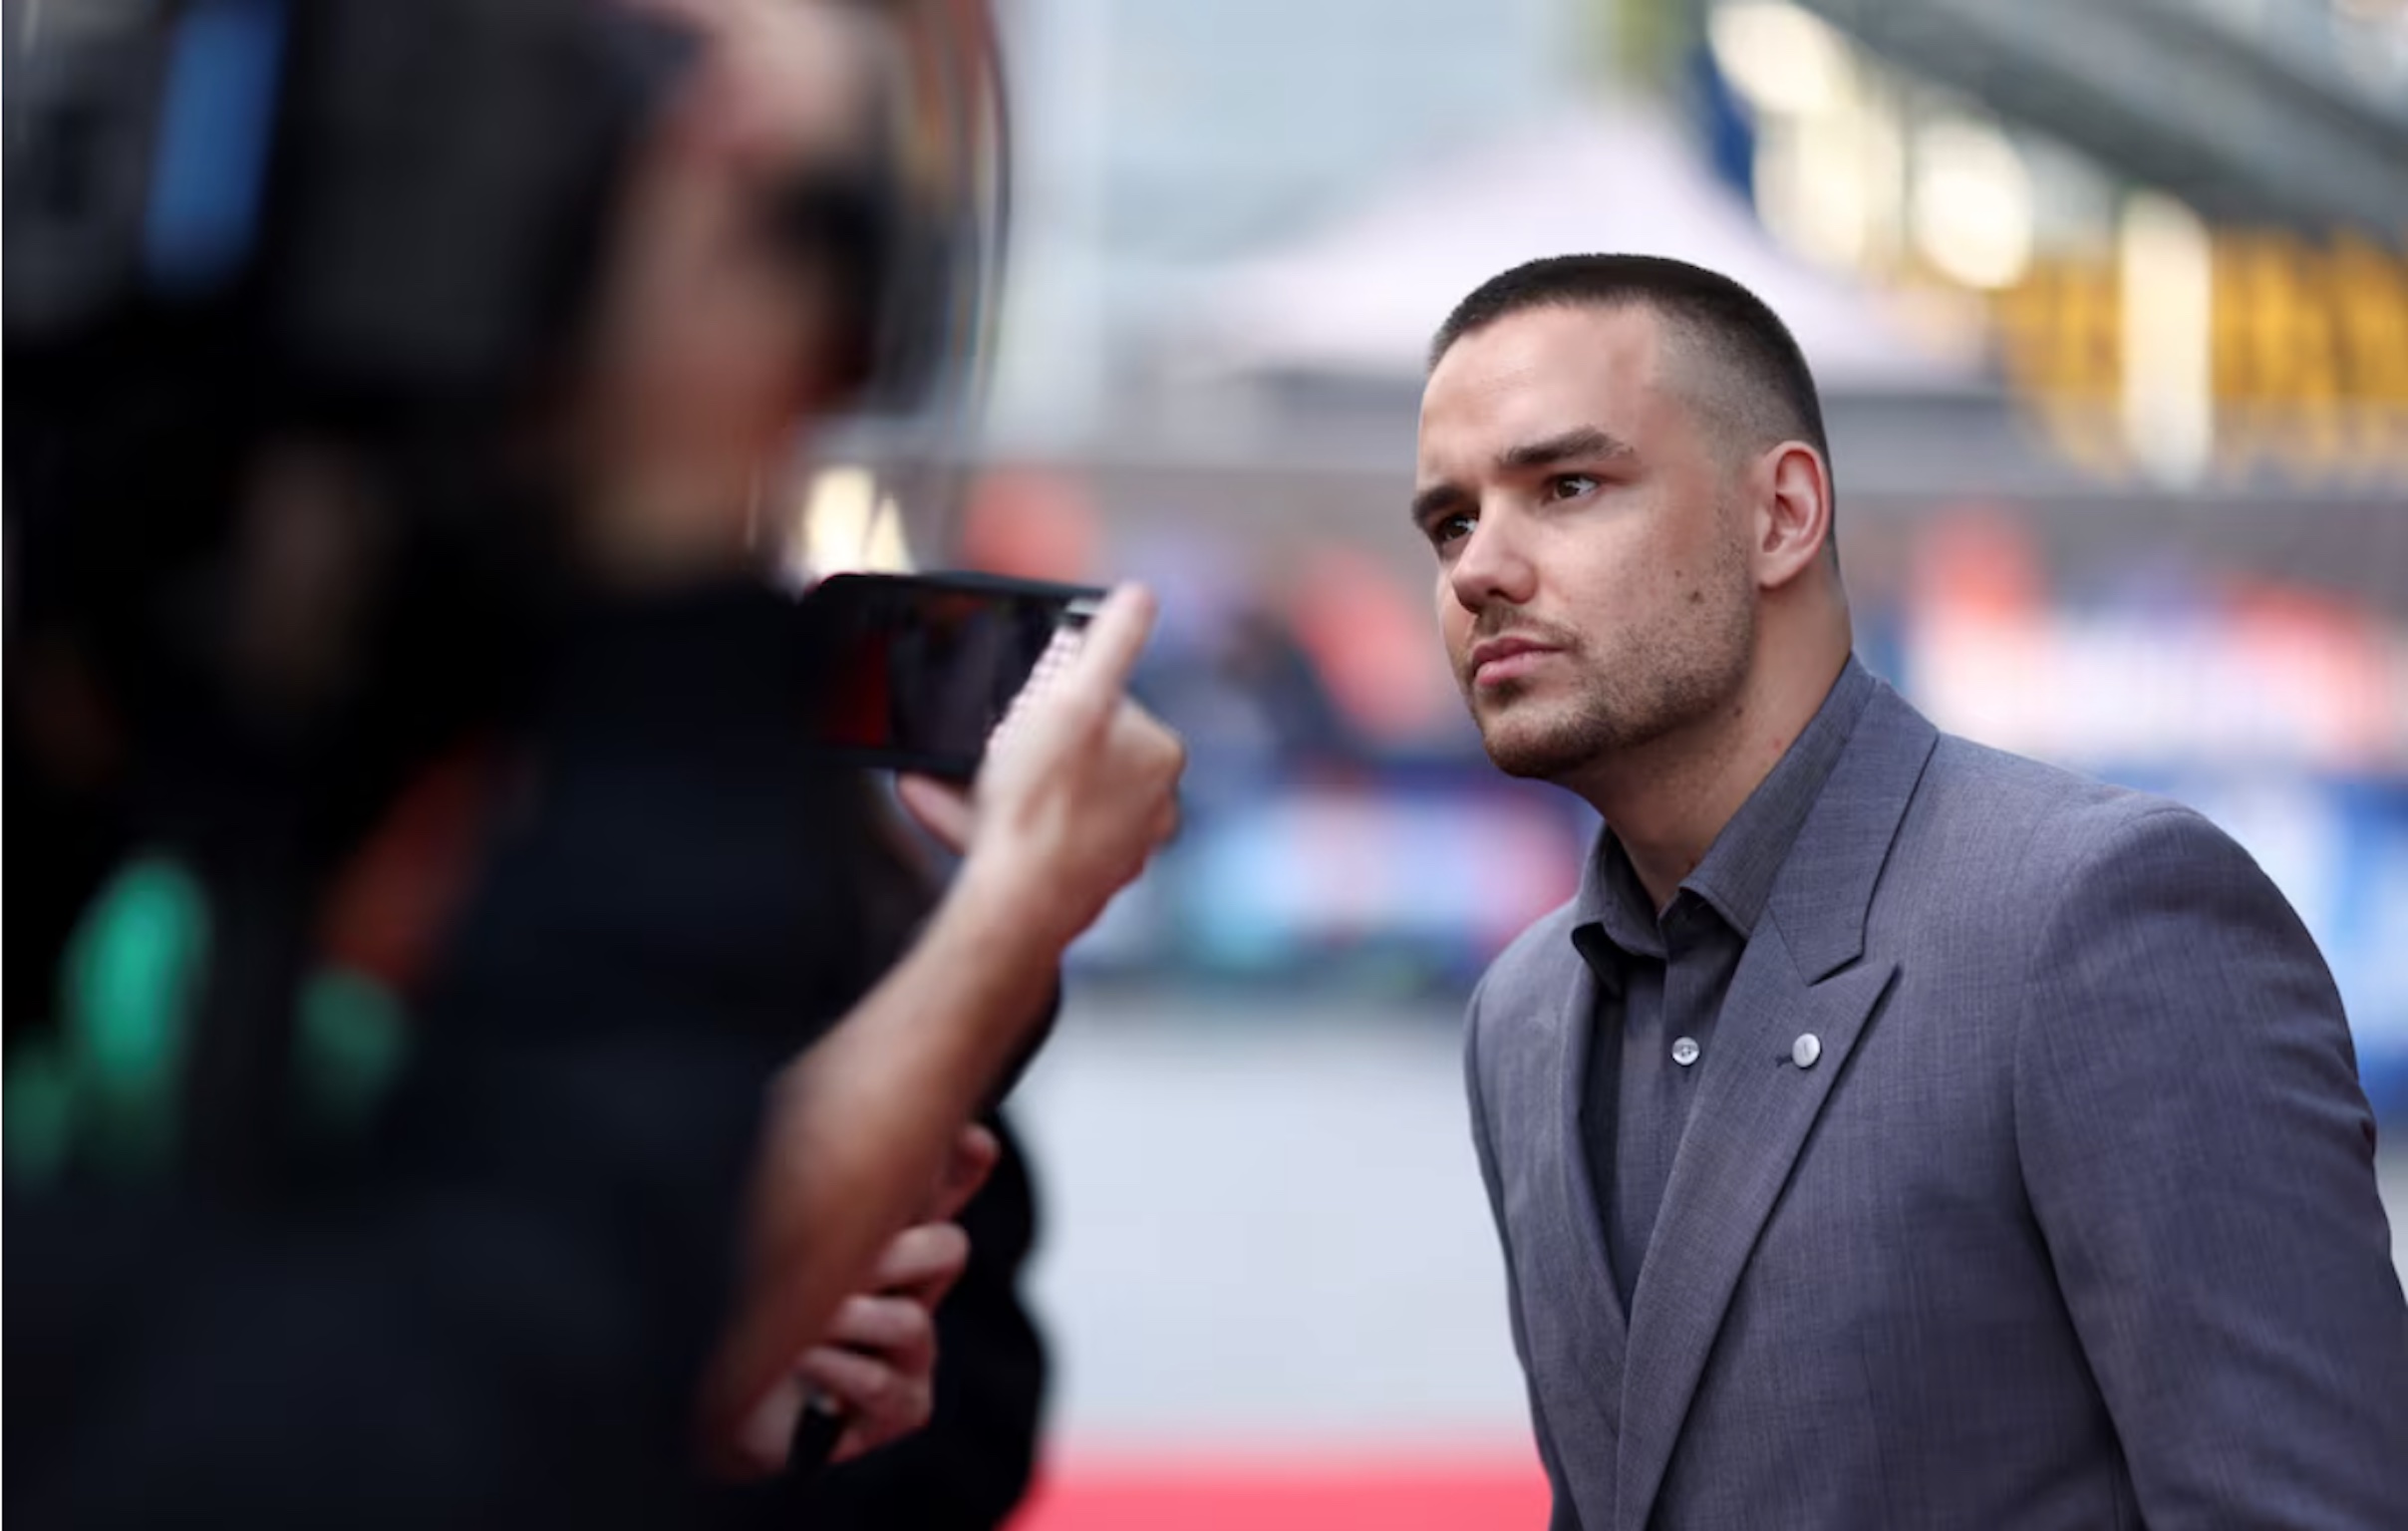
{"points": [[1570, 485], [1448, 529]]}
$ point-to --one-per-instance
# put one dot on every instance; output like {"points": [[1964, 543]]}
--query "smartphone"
{"points": [[921, 668]]}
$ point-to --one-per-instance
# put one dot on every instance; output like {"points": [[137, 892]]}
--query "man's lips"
{"points": [[1496, 660]]}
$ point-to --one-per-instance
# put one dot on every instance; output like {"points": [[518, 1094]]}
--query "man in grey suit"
{"points": [[1893, 1131]]}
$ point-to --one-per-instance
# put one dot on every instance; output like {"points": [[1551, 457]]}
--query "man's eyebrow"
{"points": [[1435, 501], [1582, 443]]}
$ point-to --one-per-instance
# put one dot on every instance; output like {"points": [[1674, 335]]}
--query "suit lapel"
{"points": [[1754, 1109], [1755, 1106]]}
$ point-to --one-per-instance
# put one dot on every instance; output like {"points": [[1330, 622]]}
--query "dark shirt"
{"points": [[1661, 977], [498, 1315]]}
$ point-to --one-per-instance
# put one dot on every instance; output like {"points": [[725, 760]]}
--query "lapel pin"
{"points": [[1805, 1050]]}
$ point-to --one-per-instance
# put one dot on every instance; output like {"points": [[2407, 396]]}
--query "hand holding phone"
{"points": [[1066, 808], [924, 668], [1076, 793]]}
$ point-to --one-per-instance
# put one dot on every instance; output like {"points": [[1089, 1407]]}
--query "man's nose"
{"points": [[1493, 565]]}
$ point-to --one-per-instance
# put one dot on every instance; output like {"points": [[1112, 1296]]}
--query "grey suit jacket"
{"points": [[2072, 1222]]}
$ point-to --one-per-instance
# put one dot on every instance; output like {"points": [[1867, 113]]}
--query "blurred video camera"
{"points": [[380, 221]]}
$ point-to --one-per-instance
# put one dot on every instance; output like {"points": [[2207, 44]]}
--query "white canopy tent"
{"points": [[1360, 299]]}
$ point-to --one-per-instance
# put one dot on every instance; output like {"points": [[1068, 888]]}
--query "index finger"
{"points": [[923, 1262], [1114, 640]]}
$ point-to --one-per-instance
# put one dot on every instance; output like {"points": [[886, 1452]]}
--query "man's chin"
{"points": [[1531, 764], [1540, 754]]}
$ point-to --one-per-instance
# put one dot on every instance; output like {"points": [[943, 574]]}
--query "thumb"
{"points": [[975, 1153], [940, 808]]}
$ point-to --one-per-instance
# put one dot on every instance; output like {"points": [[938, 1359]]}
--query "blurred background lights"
{"points": [[2167, 263], [1972, 201]]}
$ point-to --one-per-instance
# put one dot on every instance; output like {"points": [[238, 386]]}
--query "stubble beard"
{"points": [[1650, 684]]}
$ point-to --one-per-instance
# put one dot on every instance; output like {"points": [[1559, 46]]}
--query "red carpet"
{"points": [[1405, 1493]]}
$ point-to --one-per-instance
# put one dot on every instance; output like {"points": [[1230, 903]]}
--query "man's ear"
{"points": [[1791, 525]]}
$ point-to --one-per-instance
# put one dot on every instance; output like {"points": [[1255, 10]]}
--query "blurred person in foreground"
{"points": [[663, 1103], [1892, 1131]]}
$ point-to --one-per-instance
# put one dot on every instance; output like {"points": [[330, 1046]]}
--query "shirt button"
{"points": [[1684, 1051]]}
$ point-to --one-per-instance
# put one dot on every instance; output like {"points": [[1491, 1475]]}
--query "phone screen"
{"points": [[921, 668]]}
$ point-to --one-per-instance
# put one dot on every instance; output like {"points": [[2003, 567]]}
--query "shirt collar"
{"points": [[1736, 878]]}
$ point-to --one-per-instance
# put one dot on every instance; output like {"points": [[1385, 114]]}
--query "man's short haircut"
{"points": [[1745, 369]]}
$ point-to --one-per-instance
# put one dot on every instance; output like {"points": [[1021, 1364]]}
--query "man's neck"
{"points": [[1668, 800]]}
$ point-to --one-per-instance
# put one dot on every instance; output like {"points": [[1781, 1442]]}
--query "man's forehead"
{"points": [[1545, 368]]}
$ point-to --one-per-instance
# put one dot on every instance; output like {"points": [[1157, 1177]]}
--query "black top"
{"points": [[498, 1314]]}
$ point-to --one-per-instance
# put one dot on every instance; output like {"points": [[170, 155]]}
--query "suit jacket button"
{"points": [[1805, 1050], [1684, 1051]]}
